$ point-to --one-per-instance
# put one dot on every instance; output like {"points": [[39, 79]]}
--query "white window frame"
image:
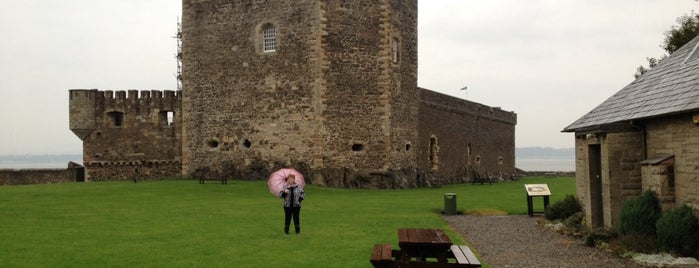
{"points": [[269, 38]]}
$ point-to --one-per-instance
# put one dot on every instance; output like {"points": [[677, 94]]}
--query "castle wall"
{"points": [[247, 111], [73, 173], [139, 129], [459, 137], [371, 97], [323, 102], [402, 29]]}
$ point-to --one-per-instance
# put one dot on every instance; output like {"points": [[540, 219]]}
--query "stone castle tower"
{"points": [[124, 133], [326, 86]]}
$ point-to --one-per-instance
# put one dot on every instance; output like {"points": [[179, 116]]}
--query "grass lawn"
{"points": [[180, 223]]}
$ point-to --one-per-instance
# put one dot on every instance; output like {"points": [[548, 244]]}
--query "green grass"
{"points": [[185, 224]]}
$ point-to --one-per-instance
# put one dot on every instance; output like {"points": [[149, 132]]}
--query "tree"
{"points": [[679, 35], [686, 29]]}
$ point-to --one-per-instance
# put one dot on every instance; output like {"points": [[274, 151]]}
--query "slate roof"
{"points": [[671, 87]]}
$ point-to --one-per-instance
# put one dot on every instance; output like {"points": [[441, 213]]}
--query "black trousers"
{"points": [[289, 212]]}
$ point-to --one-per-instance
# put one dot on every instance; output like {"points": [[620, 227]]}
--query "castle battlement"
{"points": [[91, 109], [125, 101], [164, 100]]}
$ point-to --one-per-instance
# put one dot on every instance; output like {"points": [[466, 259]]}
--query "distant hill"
{"points": [[544, 153]]}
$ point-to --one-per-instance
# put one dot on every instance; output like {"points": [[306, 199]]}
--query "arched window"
{"points": [[269, 38]]}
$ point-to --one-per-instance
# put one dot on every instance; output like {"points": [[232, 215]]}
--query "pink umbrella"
{"points": [[277, 179]]}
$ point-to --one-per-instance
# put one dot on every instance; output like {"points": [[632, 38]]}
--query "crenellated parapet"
{"points": [[91, 108], [140, 102]]}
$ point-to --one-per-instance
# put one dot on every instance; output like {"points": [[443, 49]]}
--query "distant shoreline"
{"points": [[535, 159], [541, 164]]}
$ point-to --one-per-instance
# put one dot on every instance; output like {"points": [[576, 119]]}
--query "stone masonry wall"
{"points": [[678, 136], [458, 137], [329, 101], [73, 173], [660, 179], [622, 163], [620, 173], [403, 83], [142, 128], [371, 96], [247, 112]]}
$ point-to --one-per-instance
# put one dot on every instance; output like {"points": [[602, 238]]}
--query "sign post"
{"points": [[536, 190]]}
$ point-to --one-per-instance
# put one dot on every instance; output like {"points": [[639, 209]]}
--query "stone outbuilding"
{"points": [[644, 137]]}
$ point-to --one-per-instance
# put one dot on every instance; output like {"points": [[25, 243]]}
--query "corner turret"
{"points": [[82, 112]]}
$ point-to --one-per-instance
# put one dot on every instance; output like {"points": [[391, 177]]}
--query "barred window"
{"points": [[269, 38]]}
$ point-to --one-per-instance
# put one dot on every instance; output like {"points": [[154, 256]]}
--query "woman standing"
{"points": [[292, 194]]}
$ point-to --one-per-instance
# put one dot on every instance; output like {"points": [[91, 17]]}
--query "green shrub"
{"points": [[563, 209], [575, 221], [599, 235], [634, 243], [677, 231], [639, 214]]}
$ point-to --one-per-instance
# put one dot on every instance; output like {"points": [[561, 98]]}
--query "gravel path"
{"points": [[518, 241]]}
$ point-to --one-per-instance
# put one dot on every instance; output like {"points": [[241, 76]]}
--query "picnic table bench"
{"points": [[223, 180], [477, 178], [465, 256], [382, 255]]}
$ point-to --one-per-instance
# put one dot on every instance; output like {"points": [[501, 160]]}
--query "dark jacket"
{"points": [[296, 193]]}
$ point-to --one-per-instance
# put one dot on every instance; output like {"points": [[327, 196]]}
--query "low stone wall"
{"points": [[36, 176], [550, 173], [40, 176]]}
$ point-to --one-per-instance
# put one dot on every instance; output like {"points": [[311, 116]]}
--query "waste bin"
{"points": [[450, 203]]}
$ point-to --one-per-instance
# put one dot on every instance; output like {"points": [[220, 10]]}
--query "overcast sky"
{"points": [[550, 61]]}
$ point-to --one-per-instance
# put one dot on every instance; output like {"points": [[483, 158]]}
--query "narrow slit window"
{"points": [[394, 50], [269, 38]]}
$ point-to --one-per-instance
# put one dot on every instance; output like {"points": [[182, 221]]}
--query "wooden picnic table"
{"points": [[417, 245], [423, 243]]}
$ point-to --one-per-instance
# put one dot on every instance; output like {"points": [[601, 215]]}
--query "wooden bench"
{"points": [[382, 256], [223, 181], [481, 180], [464, 256]]}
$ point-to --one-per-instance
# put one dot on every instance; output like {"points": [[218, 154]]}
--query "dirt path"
{"points": [[518, 241]]}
